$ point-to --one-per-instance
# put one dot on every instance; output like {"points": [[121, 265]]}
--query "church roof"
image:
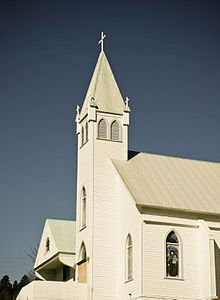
{"points": [[160, 181], [103, 91], [64, 233]]}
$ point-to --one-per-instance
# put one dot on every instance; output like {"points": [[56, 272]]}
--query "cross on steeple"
{"points": [[101, 41]]}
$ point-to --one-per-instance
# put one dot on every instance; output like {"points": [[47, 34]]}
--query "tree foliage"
{"points": [[10, 291]]}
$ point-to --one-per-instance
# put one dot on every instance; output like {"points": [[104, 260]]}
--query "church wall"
{"points": [[96, 173], [129, 222], [155, 283], [42, 254], [205, 261], [53, 290], [216, 234], [85, 179], [105, 259]]}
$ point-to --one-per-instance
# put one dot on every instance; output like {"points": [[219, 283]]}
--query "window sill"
{"points": [[174, 278], [129, 280], [82, 228], [109, 140]]}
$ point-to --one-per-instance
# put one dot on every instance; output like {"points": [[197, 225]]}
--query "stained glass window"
{"points": [[172, 255]]}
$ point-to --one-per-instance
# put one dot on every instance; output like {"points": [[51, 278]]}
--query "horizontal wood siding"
{"points": [[154, 272]]}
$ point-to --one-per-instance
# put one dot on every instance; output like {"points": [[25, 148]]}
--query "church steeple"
{"points": [[104, 116], [102, 129], [103, 92]]}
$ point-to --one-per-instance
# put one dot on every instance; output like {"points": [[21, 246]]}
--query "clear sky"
{"points": [[166, 58]]}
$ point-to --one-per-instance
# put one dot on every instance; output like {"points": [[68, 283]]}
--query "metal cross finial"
{"points": [[101, 41]]}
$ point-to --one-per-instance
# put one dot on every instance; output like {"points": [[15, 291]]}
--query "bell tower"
{"points": [[102, 130]]}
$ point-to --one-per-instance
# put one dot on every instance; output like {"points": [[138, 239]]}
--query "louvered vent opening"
{"points": [[102, 130], [115, 131]]}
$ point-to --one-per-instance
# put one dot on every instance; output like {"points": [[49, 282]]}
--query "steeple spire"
{"points": [[103, 90], [101, 41]]}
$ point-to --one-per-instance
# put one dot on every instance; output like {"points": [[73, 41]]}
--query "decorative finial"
{"points": [[77, 109], [126, 101], [101, 41]]}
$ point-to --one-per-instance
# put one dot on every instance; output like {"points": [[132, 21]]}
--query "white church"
{"points": [[147, 225]]}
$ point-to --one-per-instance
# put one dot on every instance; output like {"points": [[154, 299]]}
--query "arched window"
{"points": [[102, 129], [115, 131], [82, 264], [172, 255], [129, 258], [87, 132], [82, 136], [83, 207], [47, 246]]}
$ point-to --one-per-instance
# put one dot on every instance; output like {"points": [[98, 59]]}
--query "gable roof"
{"points": [[173, 183], [64, 234], [104, 90]]}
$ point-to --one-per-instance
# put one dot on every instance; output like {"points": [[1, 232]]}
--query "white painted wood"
{"points": [[44, 255], [112, 213]]}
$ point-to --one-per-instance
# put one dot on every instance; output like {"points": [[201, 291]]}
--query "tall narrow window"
{"points": [[82, 265], [87, 132], [82, 136], [172, 255], [47, 244], [102, 129], [129, 258], [115, 131], [83, 207]]}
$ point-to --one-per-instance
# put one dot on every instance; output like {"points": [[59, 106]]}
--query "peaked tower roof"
{"points": [[103, 91]]}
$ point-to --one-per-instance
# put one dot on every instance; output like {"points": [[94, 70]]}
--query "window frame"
{"points": [[86, 132], [47, 245], [83, 208], [179, 246], [111, 131], [129, 258], [106, 129], [82, 260], [82, 136]]}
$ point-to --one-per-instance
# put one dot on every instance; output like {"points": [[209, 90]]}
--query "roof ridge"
{"points": [[177, 157]]}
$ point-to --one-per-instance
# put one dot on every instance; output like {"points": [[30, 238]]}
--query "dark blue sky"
{"points": [[166, 58]]}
